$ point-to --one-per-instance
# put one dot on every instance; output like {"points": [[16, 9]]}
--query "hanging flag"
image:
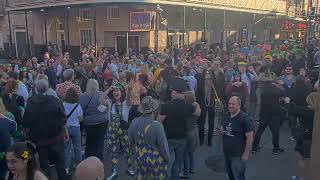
{"points": [[164, 21]]}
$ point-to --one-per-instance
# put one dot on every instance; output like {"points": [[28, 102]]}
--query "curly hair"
{"points": [[71, 96]]}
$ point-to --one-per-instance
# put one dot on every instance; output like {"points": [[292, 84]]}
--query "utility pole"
{"points": [[10, 36], [204, 24], [156, 39], [95, 30], [184, 24], [309, 22]]}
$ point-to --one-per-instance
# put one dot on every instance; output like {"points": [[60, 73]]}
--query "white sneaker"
{"points": [[131, 171], [113, 175]]}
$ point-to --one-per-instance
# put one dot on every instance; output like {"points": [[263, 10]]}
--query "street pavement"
{"points": [[261, 166]]}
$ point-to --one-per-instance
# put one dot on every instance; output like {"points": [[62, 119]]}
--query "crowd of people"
{"points": [[152, 108]]}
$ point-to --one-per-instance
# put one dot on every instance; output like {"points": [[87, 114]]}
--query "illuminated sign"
{"points": [[141, 21]]}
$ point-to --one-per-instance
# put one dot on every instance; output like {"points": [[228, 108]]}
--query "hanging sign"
{"points": [[141, 21]]}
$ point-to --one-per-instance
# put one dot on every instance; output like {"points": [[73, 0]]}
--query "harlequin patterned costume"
{"points": [[150, 164], [118, 140]]}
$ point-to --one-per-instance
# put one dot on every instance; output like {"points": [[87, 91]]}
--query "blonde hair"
{"points": [[92, 87], [189, 97], [3, 109]]}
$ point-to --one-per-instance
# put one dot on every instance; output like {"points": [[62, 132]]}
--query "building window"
{"points": [[1, 41], [137, 10], [85, 14], [113, 13], [85, 37]]}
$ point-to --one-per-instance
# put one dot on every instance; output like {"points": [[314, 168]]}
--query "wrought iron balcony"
{"points": [[272, 6]]}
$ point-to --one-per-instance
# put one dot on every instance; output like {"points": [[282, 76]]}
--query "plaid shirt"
{"points": [[135, 94]]}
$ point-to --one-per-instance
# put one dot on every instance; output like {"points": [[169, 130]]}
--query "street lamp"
{"points": [[158, 11], [45, 26]]}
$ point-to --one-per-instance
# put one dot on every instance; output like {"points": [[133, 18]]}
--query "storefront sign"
{"points": [[289, 25], [141, 21], [302, 26]]}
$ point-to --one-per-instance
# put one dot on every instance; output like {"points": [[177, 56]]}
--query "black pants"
{"points": [[56, 153], [293, 124], [273, 123], [95, 140], [202, 121]]}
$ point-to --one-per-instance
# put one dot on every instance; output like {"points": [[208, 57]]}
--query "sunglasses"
{"points": [[288, 69]]}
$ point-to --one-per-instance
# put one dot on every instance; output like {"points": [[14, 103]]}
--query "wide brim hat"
{"points": [[148, 105]]}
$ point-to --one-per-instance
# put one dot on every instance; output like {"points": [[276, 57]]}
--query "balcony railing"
{"points": [[262, 5], [276, 6]]}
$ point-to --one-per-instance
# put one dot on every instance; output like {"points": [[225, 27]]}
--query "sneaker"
{"points": [[131, 171], [292, 138], [113, 175], [256, 149], [184, 175], [277, 151], [192, 171], [295, 178]]}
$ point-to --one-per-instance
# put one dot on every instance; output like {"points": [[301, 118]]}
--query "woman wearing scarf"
{"points": [[118, 126]]}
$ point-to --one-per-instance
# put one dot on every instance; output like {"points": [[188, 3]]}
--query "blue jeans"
{"points": [[177, 148], [75, 143], [188, 157], [188, 162], [236, 168]]}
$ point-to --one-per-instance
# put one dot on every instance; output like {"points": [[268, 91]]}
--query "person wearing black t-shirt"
{"points": [[174, 116], [237, 130]]}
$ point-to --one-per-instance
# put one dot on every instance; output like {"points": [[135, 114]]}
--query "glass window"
{"points": [[85, 37], [113, 13], [85, 14]]}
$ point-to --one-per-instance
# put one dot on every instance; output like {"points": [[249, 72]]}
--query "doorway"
{"points": [[61, 40], [21, 43], [121, 43], [177, 39]]}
